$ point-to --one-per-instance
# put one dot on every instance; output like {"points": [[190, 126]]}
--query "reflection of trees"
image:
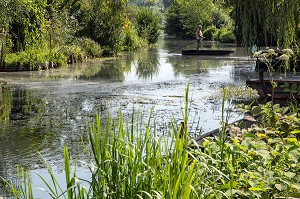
{"points": [[146, 63], [21, 129], [44, 123], [193, 65], [5, 102], [110, 69]]}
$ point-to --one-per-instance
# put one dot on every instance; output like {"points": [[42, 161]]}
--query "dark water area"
{"points": [[43, 110]]}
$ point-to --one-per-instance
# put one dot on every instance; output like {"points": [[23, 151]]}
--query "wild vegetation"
{"points": [[263, 23], [183, 17], [128, 159], [41, 34], [266, 23]]}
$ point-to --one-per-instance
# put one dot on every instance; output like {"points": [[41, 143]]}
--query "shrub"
{"points": [[209, 32], [227, 37], [148, 25], [224, 35], [132, 41], [90, 47]]}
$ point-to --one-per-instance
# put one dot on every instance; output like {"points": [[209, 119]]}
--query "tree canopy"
{"points": [[266, 23]]}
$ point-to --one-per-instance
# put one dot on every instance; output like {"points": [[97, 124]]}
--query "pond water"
{"points": [[43, 110]]}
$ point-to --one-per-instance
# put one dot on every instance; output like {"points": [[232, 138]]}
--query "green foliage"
{"points": [[220, 17], [131, 161], [89, 47], [183, 17], [224, 35], [173, 24], [132, 41], [102, 21], [77, 28], [148, 25], [35, 59], [267, 23], [209, 32]]}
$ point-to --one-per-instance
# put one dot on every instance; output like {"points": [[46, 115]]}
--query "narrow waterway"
{"points": [[43, 110]]}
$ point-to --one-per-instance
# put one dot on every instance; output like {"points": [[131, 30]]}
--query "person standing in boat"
{"points": [[199, 37]]}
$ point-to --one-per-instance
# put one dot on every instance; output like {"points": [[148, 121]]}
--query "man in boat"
{"points": [[199, 37]]}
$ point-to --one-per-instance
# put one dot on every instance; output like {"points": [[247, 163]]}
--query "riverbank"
{"points": [[45, 58]]}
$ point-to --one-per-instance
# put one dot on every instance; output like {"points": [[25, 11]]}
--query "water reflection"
{"points": [[5, 102], [146, 63]]}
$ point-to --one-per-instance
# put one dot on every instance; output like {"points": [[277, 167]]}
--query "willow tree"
{"points": [[268, 22]]}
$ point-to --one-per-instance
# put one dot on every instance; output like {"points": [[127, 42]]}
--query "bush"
{"points": [[209, 32], [90, 47], [224, 35], [36, 59], [227, 37], [132, 41], [148, 25]]}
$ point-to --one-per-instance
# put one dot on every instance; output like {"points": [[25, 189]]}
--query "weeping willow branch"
{"points": [[269, 22]]}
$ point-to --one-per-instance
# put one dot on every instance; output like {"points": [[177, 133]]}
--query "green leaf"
{"points": [[264, 153], [255, 189], [289, 174], [286, 84], [295, 131], [285, 110], [294, 87], [256, 109], [273, 140], [285, 127], [296, 186], [230, 185], [279, 187]]}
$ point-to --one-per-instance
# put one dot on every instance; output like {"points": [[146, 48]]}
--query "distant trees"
{"points": [[148, 25], [102, 21], [51, 30], [183, 17]]}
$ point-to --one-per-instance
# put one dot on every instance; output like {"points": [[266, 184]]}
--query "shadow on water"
{"points": [[43, 110]]}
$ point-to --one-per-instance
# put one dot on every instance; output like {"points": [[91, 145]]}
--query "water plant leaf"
{"points": [[255, 189], [289, 174], [264, 153], [229, 185], [274, 140], [256, 109], [296, 186], [231, 192], [284, 127], [295, 131], [294, 87], [280, 187]]}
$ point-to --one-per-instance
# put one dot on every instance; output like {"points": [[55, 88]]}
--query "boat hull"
{"points": [[207, 52]]}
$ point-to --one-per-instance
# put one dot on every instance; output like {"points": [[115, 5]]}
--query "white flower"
{"points": [[288, 51], [256, 54], [283, 57]]}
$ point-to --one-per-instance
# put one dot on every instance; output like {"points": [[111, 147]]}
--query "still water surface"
{"points": [[41, 111]]}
